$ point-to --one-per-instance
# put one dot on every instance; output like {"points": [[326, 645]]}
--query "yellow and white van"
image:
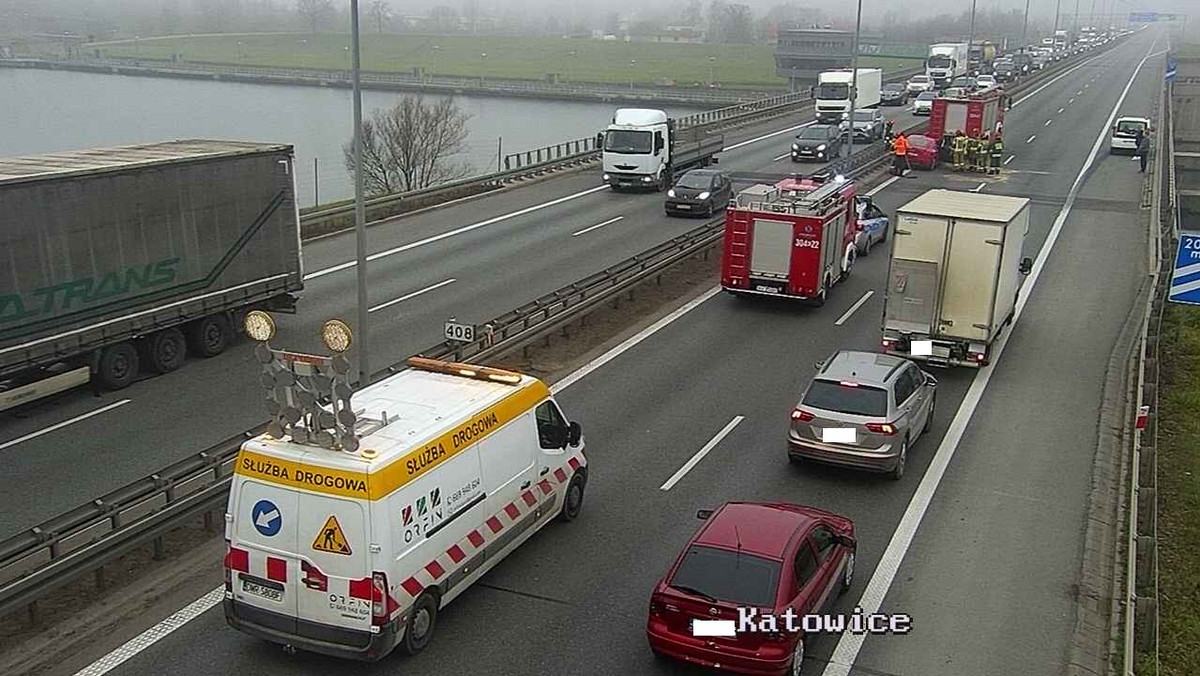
{"points": [[352, 553]]}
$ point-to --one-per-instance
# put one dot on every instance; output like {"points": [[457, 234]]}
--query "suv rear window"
{"points": [[831, 395], [728, 576]]}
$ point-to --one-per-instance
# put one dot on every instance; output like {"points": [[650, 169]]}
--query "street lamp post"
{"points": [[360, 221], [482, 57], [632, 65], [971, 40], [853, 83], [1057, 5], [1025, 28], [712, 62], [1075, 19]]}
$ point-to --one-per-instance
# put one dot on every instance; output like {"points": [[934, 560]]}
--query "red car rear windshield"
{"points": [[832, 395], [728, 576]]}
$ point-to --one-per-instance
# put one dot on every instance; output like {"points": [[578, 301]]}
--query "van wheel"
{"points": [[118, 366], [209, 336], [164, 351], [421, 622], [573, 500]]}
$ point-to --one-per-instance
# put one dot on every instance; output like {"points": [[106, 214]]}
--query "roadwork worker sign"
{"points": [[331, 539]]}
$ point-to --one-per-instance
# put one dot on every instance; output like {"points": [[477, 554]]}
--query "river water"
{"points": [[46, 111]]}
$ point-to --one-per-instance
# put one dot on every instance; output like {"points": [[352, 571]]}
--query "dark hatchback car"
{"points": [[817, 142], [700, 191], [893, 94], [767, 556]]}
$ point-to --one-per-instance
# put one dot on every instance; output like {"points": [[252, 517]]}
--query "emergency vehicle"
{"points": [[972, 114], [359, 515], [794, 239]]}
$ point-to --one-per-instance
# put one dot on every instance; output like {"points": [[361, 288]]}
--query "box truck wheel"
{"points": [[573, 500], [118, 366], [164, 351], [421, 621], [210, 336]]}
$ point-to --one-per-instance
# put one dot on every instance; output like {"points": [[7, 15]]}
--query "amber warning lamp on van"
{"points": [[466, 370]]}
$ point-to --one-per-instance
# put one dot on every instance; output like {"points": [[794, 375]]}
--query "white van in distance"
{"points": [[350, 546]]}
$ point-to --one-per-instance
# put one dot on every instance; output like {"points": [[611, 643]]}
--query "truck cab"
{"points": [[644, 148]]}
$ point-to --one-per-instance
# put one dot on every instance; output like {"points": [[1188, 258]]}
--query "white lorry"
{"points": [[832, 93], [954, 276], [644, 148], [946, 61]]}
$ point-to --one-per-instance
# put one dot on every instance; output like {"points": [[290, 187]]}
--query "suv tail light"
{"points": [[802, 416], [882, 428]]}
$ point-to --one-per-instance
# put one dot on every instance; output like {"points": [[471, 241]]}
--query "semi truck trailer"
{"points": [[124, 260]]}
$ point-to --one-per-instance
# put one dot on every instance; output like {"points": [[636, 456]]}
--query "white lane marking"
{"points": [[597, 226], [1071, 101], [849, 644], [1047, 123], [1079, 93], [1061, 109], [712, 443], [414, 294], [1030, 139], [883, 185], [147, 638], [776, 159], [1009, 159], [458, 231], [979, 187], [767, 136], [59, 426], [632, 341], [1052, 81], [865, 296]]}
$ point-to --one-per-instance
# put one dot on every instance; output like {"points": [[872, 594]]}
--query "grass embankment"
{"points": [[741, 66], [1179, 492]]}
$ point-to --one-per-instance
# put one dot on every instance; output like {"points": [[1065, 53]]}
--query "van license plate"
{"points": [[262, 591]]}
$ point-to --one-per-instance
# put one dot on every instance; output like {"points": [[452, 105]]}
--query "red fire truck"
{"points": [[972, 114], [794, 239]]}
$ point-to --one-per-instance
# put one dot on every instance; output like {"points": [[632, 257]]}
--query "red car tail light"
{"points": [[882, 428], [802, 416]]}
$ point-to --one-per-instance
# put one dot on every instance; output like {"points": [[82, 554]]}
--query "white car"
{"points": [[919, 83], [924, 103], [1124, 134], [985, 82]]}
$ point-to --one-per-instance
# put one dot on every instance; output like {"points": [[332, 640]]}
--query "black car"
{"points": [[699, 191], [893, 94], [817, 142]]}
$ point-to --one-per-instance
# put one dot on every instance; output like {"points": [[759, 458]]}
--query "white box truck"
{"points": [[946, 61], [832, 93], [955, 273], [645, 148]]}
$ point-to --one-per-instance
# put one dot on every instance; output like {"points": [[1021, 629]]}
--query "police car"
{"points": [[873, 225], [351, 524]]}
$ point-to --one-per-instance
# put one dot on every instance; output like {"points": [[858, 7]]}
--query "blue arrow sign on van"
{"points": [[266, 517]]}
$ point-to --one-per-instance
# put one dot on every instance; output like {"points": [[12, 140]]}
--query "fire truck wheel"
{"points": [[819, 301]]}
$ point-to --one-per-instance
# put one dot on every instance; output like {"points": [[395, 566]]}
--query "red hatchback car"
{"points": [[922, 152], [765, 556]]}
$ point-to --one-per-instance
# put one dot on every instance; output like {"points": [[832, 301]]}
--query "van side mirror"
{"points": [[1026, 265], [574, 433], [703, 514]]}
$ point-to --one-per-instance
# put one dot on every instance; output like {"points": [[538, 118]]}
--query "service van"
{"points": [[352, 549], [1123, 139]]}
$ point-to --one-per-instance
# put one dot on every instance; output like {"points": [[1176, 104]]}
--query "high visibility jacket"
{"points": [[960, 144], [997, 148], [900, 147], [972, 145]]}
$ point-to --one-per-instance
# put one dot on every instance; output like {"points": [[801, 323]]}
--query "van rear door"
{"points": [[265, 524], [334, 560]]}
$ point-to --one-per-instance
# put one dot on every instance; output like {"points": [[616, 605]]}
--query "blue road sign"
{"points": [[266, 516], [1185, 278]]}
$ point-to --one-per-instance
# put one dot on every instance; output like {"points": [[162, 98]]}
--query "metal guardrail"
{"points": [[56, 552], [556, 152]]}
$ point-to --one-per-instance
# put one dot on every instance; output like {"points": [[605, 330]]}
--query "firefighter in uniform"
{"points": [[997, 154], [982, 152], [959, 147], [972, 151]]}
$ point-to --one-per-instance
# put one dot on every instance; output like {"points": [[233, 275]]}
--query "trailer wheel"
{"points": [[118, 366], [208, 337], [164, 351]]}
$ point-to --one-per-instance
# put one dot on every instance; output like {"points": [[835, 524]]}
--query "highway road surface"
{"points": [[473, 260], [1001, 482]]}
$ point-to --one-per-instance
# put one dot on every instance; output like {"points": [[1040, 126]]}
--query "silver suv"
{"points": [[863, 410]]}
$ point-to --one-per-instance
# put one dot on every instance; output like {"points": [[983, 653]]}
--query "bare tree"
{"points": [[411, 146], [381, 13], [315, 11]]}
